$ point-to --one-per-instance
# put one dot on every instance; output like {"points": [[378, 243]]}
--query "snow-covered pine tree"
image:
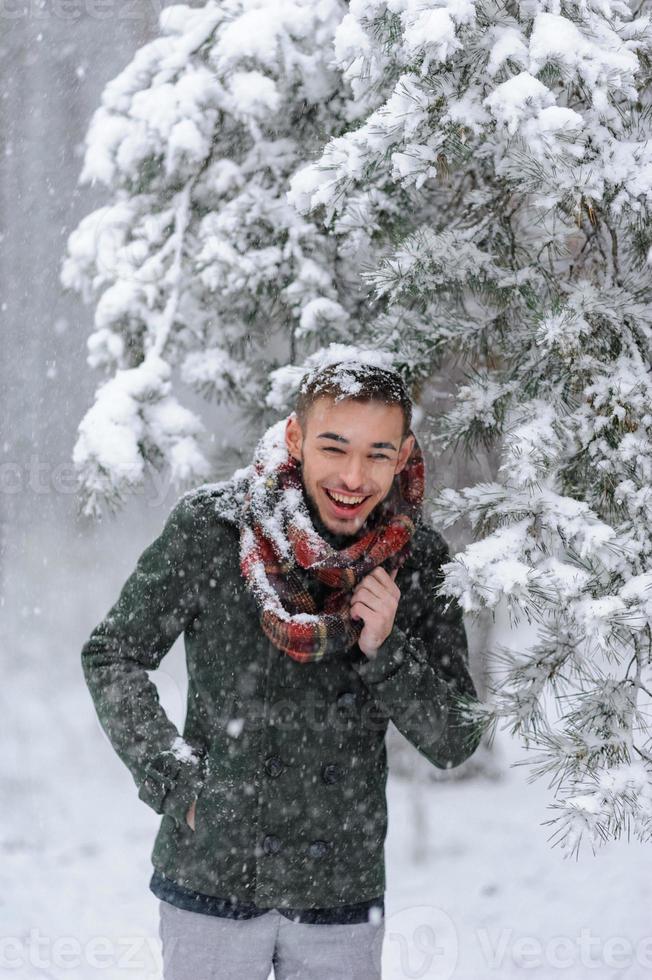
{"points": [[523, 130], [199, 265]]}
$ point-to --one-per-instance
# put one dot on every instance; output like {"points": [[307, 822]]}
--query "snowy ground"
{"points": [[478, 892]]}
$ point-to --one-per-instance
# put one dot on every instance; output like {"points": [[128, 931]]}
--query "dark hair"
{"points": [[358, 381]]}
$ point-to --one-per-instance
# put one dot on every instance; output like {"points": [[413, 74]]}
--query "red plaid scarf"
{"points": [[283, 558]]}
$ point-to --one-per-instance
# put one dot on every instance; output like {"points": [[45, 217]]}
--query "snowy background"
{"points": [[474, 887]]}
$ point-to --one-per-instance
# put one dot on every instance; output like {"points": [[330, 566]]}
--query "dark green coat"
{"points": [[288, 759]]}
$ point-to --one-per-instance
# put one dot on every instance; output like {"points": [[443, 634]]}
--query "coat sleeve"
{"points": [[157, 602], [419, 677]]}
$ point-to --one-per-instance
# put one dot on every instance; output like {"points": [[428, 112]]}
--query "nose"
{"points": [[352, 474]]}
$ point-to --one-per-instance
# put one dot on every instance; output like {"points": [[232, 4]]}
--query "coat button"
{"points": [[271, 844], [318, 848], [346, 699], [332, 773], [274, 766]]}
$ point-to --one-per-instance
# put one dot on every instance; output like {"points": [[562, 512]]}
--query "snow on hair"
{"points": [[358, 381]]}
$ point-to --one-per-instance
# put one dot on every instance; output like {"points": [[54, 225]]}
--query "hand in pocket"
{"points": [[190, 815]]}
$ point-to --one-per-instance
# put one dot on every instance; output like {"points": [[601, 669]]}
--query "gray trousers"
{"points": [[207, 947]]}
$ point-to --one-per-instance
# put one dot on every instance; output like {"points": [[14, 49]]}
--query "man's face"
{"points": [[350, 450]]}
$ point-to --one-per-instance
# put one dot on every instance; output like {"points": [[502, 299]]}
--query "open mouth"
{"points": [[345, 503]]}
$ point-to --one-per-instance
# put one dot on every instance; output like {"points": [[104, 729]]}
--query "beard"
{"points": [[320, 525]]}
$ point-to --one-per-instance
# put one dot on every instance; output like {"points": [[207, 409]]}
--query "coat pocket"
{"points": [[201, 794], [226, 808]]}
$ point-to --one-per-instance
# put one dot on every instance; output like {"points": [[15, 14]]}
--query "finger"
{"points": [[382, 575], [394, 573], [369, 598], [365, 609], [373, 585], [385, 579], [358, 611], [368, 606]]}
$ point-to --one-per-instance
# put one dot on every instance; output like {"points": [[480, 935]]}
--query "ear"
{"points": [[404, 453], [293, 436]]}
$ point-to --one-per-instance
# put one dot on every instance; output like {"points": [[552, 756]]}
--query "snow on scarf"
{"points": [[279, 547]]}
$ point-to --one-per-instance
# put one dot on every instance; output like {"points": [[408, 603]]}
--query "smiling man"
{"points": [[347, 475], [305, 589], [351, 452]]}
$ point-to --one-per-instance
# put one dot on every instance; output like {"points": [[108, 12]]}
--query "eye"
{"points": [[334, 449]]}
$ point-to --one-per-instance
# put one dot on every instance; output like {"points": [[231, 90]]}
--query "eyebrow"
{"points": [[339, 438]]}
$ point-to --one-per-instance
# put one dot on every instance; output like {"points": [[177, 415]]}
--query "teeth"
{"points": [[345, 500]]}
